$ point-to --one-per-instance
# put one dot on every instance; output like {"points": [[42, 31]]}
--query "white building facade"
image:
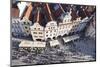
{"points": [[66, 25], [51, 30], [37, 32]]}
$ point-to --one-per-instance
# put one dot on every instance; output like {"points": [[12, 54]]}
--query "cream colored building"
{"points": [[37, 32], [66, 25], [51, 30]]}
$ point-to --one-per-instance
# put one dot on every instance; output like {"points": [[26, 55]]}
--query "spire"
{"points": [[70, 11], [38, 15], [48, 8], [29, 10], [62, 8]]}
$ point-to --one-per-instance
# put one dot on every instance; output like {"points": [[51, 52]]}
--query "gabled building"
{"points": [[25, 20], [51, 30], [51, 26], [66, 24], [37, 31]]}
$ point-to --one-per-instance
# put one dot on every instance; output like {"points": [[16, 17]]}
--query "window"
{"points": [[46, 35], [65, 20], [27, 31], [54, 30], [52, 24], [35, 36], [28, 23], [34, 32], [49, 28], [24, 22], [53, 27], [68, 20], [46, 31], [40, 36], [26, 27], [62, 27], [40, 32], [34, 28], [38, 28]]}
